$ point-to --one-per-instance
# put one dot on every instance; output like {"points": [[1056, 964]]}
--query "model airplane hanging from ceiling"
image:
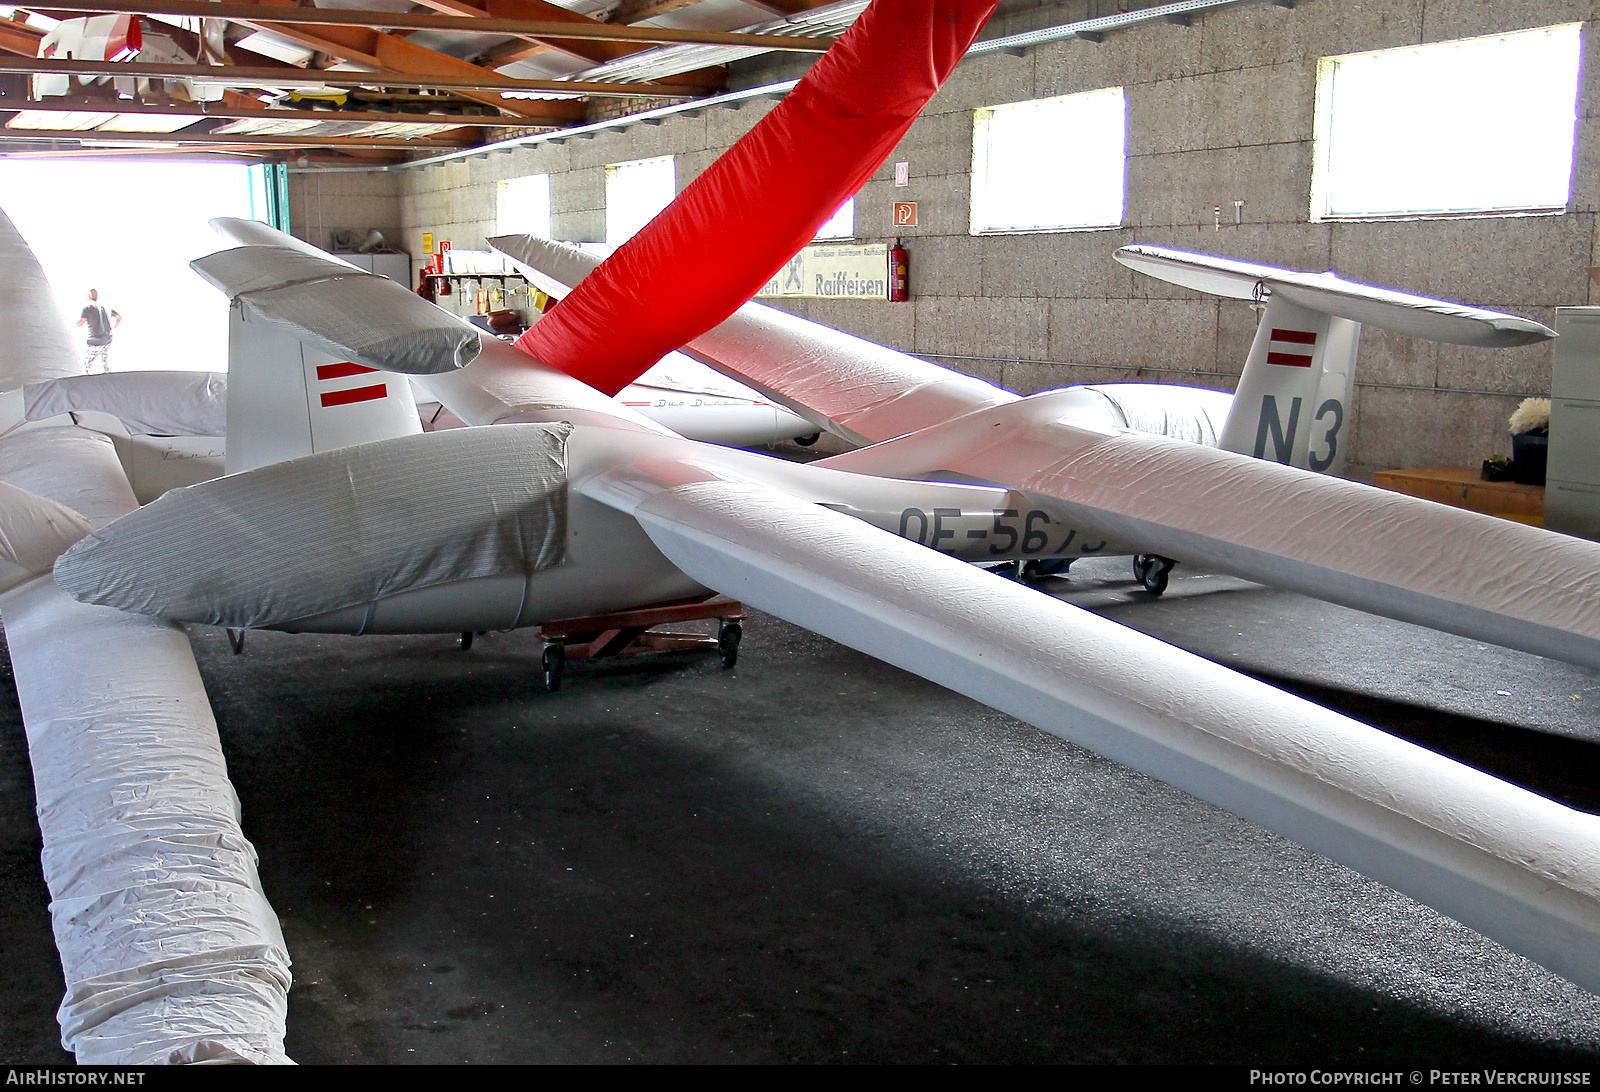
{"points": [[575, 504]]}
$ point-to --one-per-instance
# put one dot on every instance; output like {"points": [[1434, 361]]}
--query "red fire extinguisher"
{"points": [[899, 273]]}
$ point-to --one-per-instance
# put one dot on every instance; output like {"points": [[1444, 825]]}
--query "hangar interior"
{"points": [[1219, 111], [816, 857]]}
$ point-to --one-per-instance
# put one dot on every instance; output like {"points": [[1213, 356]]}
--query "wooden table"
{"points": [[1462, 488]]}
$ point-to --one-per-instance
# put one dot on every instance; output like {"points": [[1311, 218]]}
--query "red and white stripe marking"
{"points": [[345, 395], [1291, 348]]}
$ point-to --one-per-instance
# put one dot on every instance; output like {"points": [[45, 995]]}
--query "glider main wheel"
{"points": [[466, 640], [555, 664], [728, 637], [808, 440], [1151, 571]]}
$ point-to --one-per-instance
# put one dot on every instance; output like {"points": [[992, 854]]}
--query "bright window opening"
{"points": [[635, 192], [1480, 125], [842, 224], [522, 206], [129, 231], [1051, 164]]}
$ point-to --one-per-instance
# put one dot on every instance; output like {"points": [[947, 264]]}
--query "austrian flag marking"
{"points": [[1291, 348], [346, 395]]}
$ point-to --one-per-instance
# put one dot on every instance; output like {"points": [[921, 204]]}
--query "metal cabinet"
{"points": [[397, 267], [1572, 481]]}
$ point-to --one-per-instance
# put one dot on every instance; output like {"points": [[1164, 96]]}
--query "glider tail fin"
{"points": [[288, 397], [1293, 399]]}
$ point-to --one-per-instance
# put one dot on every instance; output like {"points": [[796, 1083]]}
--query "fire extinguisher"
{"points": [[899, 273]]}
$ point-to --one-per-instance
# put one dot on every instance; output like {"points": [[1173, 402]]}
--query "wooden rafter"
{"points": [[780, 8], [493, 20], [481, 81], [255, 140], [559, 112]]}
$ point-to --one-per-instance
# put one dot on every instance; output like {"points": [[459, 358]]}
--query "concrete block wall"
{"points": [[1218, 111], [321, 203]]}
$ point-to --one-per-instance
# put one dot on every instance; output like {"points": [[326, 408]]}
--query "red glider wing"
{"points": [[737, 224]]}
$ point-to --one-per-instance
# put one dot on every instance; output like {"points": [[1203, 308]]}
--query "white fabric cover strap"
{"points": [[147, 403], [335, 529], [170, 949]]}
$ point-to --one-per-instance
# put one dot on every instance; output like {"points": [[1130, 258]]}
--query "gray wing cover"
{"points": [[335, 529], [342, 310]]}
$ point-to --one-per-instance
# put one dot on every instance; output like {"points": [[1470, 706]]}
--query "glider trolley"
{"points": [[629, 632]]}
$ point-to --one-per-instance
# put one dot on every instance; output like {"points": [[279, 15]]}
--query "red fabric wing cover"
{"points": [[753, 209]]}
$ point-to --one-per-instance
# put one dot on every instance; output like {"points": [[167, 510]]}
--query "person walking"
{"points": [[101, 320]]}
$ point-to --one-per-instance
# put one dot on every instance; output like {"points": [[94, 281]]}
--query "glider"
{"points": [[575, 504]]}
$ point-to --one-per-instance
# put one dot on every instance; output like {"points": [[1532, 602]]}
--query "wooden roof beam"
{"points": [[520, 17]]}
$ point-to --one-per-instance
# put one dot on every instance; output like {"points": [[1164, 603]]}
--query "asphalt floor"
{"points": [[816, 858]]}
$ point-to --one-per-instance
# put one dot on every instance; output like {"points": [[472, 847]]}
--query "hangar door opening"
{"points": [[129, 230]]}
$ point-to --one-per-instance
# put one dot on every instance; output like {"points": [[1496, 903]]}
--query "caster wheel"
{"points": [[555, 663], [728, 637], [1152, 572]]}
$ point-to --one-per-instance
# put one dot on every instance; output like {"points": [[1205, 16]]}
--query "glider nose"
{"points": [[335, 529]]}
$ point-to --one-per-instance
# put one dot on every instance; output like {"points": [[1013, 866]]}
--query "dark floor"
{"points": [[817, 858]]}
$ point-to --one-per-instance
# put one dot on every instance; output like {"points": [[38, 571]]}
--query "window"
{"points": [[1050, 164], [635, 192], [1480, 125], [842, 224], [522, 206]]}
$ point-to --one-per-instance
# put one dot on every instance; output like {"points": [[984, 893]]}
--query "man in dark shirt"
{"points": [[101, 320]]}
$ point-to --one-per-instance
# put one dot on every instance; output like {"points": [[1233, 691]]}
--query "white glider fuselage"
{"points": [[610, 563]]}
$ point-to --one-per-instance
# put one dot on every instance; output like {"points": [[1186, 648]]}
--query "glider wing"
{"points": [[1514, 865]]}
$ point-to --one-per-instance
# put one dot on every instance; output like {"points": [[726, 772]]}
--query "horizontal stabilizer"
{"points": [[1520, 868], [344, 311], [1328, 293]]}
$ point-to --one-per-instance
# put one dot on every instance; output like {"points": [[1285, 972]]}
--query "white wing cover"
{"points": [[170, 950], [1515, 865]]}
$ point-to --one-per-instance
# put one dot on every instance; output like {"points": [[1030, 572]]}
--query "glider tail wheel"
{"points": [[728, 637], [1151, 571], [554, 663]]}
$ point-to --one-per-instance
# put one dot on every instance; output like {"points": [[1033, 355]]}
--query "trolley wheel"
{"points": [[555, 663], [728, 637], [1151, 571], [1052, 566]]}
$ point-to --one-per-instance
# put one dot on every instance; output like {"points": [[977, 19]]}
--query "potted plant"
{"points": [[1530, 440]]}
